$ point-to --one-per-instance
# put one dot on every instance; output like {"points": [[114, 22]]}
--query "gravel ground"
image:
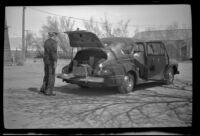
{"points": [[150, 105]]}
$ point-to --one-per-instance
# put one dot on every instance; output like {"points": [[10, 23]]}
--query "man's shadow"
{"points": [[34, 89]]}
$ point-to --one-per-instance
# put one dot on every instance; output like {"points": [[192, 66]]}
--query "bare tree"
{"points": [[122, 29], [66, 24], [107, 29], [29, 41], [51, 26], [92, 26], [59, 25], [34, 42]]}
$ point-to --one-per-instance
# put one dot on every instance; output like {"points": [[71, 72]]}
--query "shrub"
{"points": [[18, 58], [39, 54]]}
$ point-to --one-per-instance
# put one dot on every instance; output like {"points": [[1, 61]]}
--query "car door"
{"points": [[156, 60], [139, 59]]}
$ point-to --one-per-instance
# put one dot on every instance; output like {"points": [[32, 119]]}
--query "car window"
{"points": [[155, 49], [150, 49], [162, 50], [138, 47], [127, 49]]}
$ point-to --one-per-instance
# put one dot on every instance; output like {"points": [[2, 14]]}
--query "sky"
{"points": [[140, 16]]}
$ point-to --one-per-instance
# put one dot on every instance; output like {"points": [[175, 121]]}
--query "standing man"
{"points": [[50, 62]]}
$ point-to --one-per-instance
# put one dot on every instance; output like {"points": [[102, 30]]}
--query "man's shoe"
{"points": [[49, 94], [42, 90]]}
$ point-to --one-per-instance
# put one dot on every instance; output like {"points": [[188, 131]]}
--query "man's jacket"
{"points": [[50, 51]]}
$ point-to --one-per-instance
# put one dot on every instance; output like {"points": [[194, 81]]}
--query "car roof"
{"points": [[154, 41], [128, 40], [121, 39]]}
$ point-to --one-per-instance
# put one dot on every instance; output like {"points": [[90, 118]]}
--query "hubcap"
{"points": [[170, 76], [128, 83]]}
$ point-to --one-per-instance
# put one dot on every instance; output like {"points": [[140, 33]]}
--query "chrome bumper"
{"points": [[88, 79]]}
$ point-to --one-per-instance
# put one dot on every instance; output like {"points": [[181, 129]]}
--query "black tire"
{"points": [[83, 86], [169, 76], [128, 83]]}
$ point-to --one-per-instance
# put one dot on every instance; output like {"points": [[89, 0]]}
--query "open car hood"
{"points": [[83, 39]]}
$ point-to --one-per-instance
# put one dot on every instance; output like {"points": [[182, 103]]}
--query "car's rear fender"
{"points": [[121, 69]]}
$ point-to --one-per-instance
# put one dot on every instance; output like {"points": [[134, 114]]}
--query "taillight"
{"points": [[102, 71], [105, 72]]}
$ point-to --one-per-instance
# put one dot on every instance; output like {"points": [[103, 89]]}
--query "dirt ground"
{"points": [[150, 105]]}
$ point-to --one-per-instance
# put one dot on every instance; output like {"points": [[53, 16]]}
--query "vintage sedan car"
{"points": [[117, 61]]}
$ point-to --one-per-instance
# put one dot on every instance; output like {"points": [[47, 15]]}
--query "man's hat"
{"points": [[51, 34]]}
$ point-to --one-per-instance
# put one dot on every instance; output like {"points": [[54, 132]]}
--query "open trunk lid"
{"points": [[83, 39]]}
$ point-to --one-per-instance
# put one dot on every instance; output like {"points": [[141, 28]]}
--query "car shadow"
{"points": [[93, 91], [96, 91], [147, 85], [100, 91]]}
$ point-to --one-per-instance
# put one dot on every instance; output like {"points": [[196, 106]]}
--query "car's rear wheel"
{"points": [[169, 76], [128, 83]]}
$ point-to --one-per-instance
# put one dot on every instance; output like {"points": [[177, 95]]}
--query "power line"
{"points": [[136, 26], [62, 15]]}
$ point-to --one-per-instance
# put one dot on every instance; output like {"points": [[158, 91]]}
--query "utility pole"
{"points": [[7, 50], [23, 38], [26, 45]]}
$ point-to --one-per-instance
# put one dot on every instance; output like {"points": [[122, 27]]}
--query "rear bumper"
{"points": [[89, 80]]}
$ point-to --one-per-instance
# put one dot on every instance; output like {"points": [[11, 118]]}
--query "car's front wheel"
{"points": [[169, 76], [128, 83]]}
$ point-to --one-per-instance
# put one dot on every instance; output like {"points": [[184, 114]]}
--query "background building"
{"points": [[178, 41]]}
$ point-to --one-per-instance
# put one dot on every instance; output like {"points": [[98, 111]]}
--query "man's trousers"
{"points": [[49, 79]]}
